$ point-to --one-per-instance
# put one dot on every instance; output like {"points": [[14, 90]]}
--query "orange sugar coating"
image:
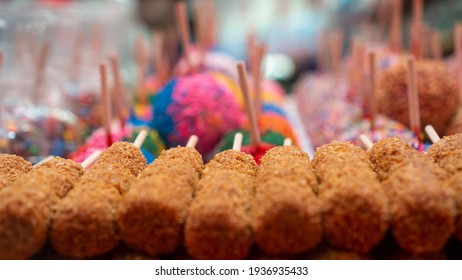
{"points": [[85, 223], [451, 161], [286, 217], [67, 167], [26, 210], [423, 211], [355, 216], [337, 165], [12, 167], [218, 225], [232, 160], [153, 213], [389, 152], [295, 171], [51, 179], [112, 175], [174, 167], [336, 148], [438, 94], [454, 186], [340, 176], [281, 153], [451, 143], [123, 154], [187, 154]]}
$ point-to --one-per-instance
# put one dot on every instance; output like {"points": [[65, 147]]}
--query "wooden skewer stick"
{"points": [[48, 158], [366, 141], [253, 122], [40, 69], [287, 142], [118, 90], [372, 101], [106, 98], [139, 140], [396, 42], [91, 159], [458, 50], [237, 143], [413, 99], [432, 134], [436, 45], [141, 65], [417, 28], [181, 15], [192, 141], [260, 51]]}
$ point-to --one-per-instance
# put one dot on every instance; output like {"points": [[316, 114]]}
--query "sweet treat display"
{"points": [[438, 94], [153, 212], [347, 185], [212, 111], [286, 214], [85, 223], [181, 148]]}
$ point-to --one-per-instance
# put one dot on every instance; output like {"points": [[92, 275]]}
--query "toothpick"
{"points": [[106, 99], [366, 141], [139, 140], [237, 143], [91, 159], [253, 122], [432, 134], [287, 142], [192, 141]]}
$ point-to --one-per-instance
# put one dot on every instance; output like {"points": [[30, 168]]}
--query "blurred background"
{"points": [[291, 28]]}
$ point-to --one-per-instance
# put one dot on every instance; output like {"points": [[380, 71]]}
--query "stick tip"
{"points": [[237, 143], [287, 142], [192, 141]]}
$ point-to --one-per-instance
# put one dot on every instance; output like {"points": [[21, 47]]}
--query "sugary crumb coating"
{"points": [[337, 148], [122, 154], [294, 171], [454, 185], [187, 154], [423, 212], [115, 176], [26, 209], [177, 167], [67, 167], [85, 223], [12, 167], [438, 150], [389, 152], [232, 160], [286, 217], [285, 153], [153, 213], [218, 225], [355, 215]]}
